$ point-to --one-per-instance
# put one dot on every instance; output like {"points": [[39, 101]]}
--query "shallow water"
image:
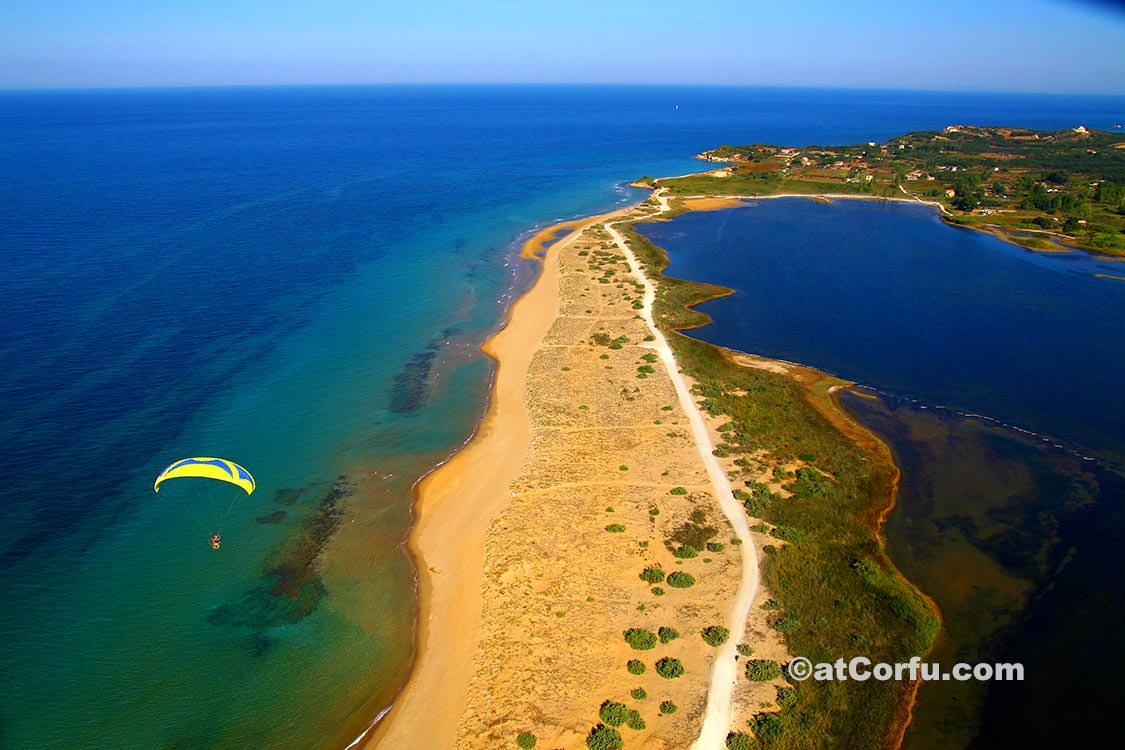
{"points": [[297, 279]]}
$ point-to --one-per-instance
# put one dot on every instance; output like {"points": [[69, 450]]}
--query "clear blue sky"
{"points": [[1029, 45]]}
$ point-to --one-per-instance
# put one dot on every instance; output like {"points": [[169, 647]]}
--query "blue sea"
{"points": [[297, 279]]}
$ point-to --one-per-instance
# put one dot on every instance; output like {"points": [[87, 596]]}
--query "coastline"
{"points": [[718, 201], [459, 499], [455, 503]]}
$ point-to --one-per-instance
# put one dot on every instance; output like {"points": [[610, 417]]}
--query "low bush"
{"points": [[715, 635], [762, 670], [640, 639], [681, 580], [653, 574], [635, 721], [615, 528], [685, 552], [767, 727], [613, 713], [667, 634], [739, 741], [670, 668], [635, 666], [638, 694], [526, 741], [602, 737], [668, 707], [678, 491], [787, 624]]}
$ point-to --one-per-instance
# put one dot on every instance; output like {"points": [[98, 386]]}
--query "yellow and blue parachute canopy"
{"points": [[208, 468]]}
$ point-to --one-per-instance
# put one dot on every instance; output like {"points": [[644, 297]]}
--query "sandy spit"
{"points": [[455, 505]]}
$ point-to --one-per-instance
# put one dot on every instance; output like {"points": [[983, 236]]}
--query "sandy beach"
{"points": [[592, 464], [584, 472], [456, 503]]}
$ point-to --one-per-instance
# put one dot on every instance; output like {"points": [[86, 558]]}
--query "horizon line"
{"points": [[551, 84]]}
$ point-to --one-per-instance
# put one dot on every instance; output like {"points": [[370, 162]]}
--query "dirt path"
{"points": [[724, 671]]}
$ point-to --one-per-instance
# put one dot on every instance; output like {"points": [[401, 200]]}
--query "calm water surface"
{"points": [[1012, 495]]}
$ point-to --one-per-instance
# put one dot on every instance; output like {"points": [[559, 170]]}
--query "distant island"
{"points": [[1044, 190]]}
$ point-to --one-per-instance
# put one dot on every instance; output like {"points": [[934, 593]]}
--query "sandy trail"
{"points": [[724, 671]]}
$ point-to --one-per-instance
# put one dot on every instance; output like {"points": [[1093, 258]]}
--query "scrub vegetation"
{"points": [[1036, 188]]}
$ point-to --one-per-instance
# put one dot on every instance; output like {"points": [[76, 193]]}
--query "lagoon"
{"points": [[991, 372]]}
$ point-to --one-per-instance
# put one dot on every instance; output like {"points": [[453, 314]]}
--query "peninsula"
{"points": [[1044, 190], [647, 528]]}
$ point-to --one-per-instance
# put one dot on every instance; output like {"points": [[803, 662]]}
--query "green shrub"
{"points": [[762, 670], [640, 639], [623, 467], [602, 737], [667, 634], [685, 552], [635, 666], [767, 727], [668, 707], [745, 649], [613, 713], [681, 580], [638, 694], [715, 546], [615, 528], [526, 741], [653, 574], [657, 591], [786, 697], [715, 635], [787, 624], [670, 668], [635, 721], [739, 741], [678, 491]]}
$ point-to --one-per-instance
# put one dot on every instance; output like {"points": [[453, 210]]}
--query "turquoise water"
{"points": [[296, 279]]}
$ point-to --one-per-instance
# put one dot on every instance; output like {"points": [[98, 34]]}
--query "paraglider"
{"points": [[205, 467]]}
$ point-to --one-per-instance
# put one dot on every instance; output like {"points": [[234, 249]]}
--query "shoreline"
{"points": [[458, 499], [991, 230]]}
